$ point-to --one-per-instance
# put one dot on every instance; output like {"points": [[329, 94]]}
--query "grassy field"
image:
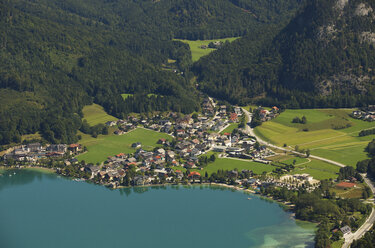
{"points": [[230, 129], [318, 169], [231, 164], [349, 193], [35, 136], [124, 96], [108, 145], [195, 47], [95, 114], [329, 133]]}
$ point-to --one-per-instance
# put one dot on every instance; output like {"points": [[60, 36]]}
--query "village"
{"points": [[366, 114], [192, 137]]}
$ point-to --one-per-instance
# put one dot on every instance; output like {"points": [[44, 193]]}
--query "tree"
{"points": [[308, 153], [212, 158]]}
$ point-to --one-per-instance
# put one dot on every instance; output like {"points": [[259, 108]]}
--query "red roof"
{"points": [[178, 171], [227, 134], [120, 154], [73, 145], [194, 173], [346, 185]]}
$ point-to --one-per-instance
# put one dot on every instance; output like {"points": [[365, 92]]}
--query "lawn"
{"points": [[317, 169], [195, 47], [230, 128], [108, 145], [95, 114], [349, 193], [35, 136], [125, 96], [231, 164], [329, 133]]}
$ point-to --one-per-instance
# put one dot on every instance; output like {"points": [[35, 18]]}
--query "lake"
{"points": [[41, 210]]}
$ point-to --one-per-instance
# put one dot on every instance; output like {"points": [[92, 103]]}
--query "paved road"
{"points": [[369, 221], [251, 132]]}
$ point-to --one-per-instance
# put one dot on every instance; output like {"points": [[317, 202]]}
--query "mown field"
{"points": [[195, 47], [318, 169], [108, 145], [95, 114], [329, 133], [230, 128], [231, 164]]}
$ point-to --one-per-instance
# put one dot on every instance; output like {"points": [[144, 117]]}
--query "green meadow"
{"points": [[230, 128], [125, 96], [329, 133], [95, 114], [231, 164], [318, 169], [195, 47], [108, 145]]}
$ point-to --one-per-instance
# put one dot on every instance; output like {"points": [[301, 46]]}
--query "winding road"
{"points": [[349, 238]]}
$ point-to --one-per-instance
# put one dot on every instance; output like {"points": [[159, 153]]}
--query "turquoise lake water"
{"points": [[39, 210]]}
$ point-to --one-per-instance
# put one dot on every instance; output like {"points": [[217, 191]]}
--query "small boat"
{"points": [[249, 198]]}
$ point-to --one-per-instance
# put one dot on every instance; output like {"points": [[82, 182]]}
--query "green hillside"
{"points": [[323, 58]]}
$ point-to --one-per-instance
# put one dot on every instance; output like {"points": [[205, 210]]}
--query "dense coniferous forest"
{"points": [[57, 56], [323, 58]]}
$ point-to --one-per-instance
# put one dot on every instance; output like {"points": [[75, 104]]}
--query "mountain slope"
{"points": [[57, 56], [323, 58]]}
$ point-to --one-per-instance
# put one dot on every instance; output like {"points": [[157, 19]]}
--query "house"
{"points": [[136, 145], [110, 123], [74, 148], [238, 111], [346, 230], [34, 147], [223, 110], [161, 141], [194, 175], [62, 148], [233, 117]]}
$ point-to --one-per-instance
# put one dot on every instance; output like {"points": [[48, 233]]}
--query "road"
{"points": [[250, 131], [369, 221]]}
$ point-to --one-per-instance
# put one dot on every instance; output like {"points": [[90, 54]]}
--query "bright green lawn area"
{"points": [[318, 169], [231, 164], [230, 128], [95, 114], [124, 96], [108, 145], [35, 136], [342, 145], [195, 46]]}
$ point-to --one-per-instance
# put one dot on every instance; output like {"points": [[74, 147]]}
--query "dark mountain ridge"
{"points": [[323, 58]]}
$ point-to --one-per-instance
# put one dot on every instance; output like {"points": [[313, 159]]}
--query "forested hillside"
{"points": [[57, 56], [323, 58]]}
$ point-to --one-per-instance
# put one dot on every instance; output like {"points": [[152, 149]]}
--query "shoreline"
{"points": [[282, 204]]}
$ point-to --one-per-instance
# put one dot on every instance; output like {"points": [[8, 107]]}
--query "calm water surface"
{"points": [[39, 210]]}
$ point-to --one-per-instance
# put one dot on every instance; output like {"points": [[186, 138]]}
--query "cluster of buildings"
{"points": [[35, 151], [367, 114], [267, 115]]}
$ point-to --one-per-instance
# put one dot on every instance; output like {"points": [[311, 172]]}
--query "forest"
{"points": [[321, 58], [58, 56]]}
